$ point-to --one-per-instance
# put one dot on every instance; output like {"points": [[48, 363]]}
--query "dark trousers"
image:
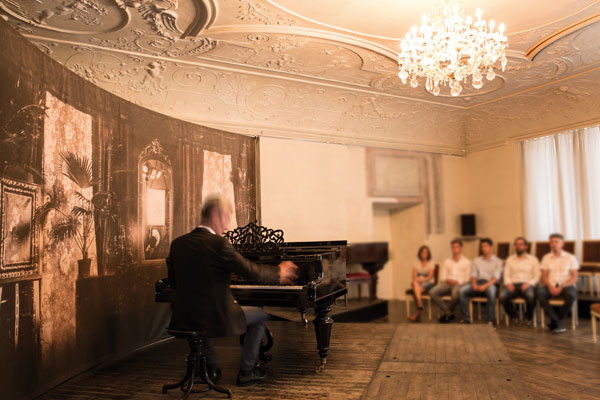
{"points": [[256, 321], [466, 291], [528, 295], [568, 294]]}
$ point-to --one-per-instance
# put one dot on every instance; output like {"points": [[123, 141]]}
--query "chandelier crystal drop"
{"points": [[449, 49]]}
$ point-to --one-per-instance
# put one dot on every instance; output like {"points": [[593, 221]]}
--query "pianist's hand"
{"points": [[288, 272]]}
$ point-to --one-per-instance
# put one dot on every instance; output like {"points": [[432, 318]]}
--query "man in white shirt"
{"points": [[559, 274], [521, 274], [455, 272], [485, 274]]}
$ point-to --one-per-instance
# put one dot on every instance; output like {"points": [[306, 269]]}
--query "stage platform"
{"points": [[356, 311], [373, 361]]}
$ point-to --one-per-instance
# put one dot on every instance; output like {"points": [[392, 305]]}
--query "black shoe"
{"points": [[465, 322], [451, 317], [214, 374], [249, 377], [552, 326], [530, 323], [560, 328], [443, 319]]}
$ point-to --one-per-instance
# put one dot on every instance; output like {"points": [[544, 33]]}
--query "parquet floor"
{"points": [[432, 361], [385, 359], [355, 352]]}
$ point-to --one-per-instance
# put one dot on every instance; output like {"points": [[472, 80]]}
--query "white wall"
{"points": [[318, 191], [315, 191], [495, 192]]}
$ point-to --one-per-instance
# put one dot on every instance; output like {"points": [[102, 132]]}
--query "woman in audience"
{"points": [[422, 279]]}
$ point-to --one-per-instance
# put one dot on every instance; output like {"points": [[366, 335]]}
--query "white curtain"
{"points": [[561, 184]]}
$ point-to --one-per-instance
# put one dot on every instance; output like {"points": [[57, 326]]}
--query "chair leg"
{"points": [[470, 311], [408, 300], [429, 308], [497, 314], [542, 315], [595, 338], [574, 316]]}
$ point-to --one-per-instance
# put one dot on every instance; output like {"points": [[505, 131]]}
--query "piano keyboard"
{"points": [[267, 287]]}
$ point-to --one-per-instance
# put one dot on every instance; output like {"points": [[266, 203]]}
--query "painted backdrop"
{"points": [[93, 189]]}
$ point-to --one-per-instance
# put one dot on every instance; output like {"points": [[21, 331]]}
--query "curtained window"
{"points": [[561, 177]]}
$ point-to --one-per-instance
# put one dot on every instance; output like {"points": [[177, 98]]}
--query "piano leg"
{"points": [[323, 323]]}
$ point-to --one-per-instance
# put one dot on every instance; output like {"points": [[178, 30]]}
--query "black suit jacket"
{"points": [[202, 264]]}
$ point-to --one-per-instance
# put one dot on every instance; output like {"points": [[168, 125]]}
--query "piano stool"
{"points": [[409, 298], [196, 362], [359, 278], [595, 314]]}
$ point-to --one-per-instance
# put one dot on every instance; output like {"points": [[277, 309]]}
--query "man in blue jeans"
{"points": [[485, 274], [559, 275], [521, 274]]}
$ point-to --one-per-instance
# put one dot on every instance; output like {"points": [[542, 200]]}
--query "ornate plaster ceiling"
{"points": [[322, 70]]}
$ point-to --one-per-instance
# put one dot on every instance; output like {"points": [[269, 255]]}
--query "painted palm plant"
{"points": [[78, 222]]}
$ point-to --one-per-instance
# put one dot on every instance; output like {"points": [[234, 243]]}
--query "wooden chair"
{"points": [[543, 248], [557, 302], [521, 304], [595, 313], [425, 296], [590, 264], [479, 300]]}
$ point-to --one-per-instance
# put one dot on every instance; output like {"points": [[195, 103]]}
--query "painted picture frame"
{"points": [[18, 236]]}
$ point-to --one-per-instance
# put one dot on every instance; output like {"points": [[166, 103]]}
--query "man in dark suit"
{"points": [[201, 263]]}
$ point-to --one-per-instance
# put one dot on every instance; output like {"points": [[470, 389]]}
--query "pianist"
{"points": [[201, 264]]}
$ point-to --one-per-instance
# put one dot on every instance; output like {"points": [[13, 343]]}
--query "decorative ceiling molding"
{"points": [[251, 67], [534, 50]]}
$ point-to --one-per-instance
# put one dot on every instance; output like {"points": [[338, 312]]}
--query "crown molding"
{"points": [[540, 45], [311, 135]]}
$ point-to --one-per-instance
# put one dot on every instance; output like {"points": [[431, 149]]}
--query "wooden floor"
{"points": [[373, 360], [356, 350], [446, 362]]}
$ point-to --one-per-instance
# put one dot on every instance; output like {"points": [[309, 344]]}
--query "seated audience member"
{"points": [[521, 274], [454, 272], [485, 275], [422, 278], [559, 274]]}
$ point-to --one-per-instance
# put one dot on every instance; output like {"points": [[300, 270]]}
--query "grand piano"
{"points": [[321, 277]]}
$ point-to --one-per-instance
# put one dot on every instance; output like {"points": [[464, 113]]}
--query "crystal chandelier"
{"points": [[448, 48]]}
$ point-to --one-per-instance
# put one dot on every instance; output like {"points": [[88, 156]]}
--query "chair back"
{"points": [[541, 249], [591, 252], [569, 246], [502, 250]]}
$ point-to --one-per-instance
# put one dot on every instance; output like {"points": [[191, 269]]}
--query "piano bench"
{"points": [[359, 278], [196, 364]]}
